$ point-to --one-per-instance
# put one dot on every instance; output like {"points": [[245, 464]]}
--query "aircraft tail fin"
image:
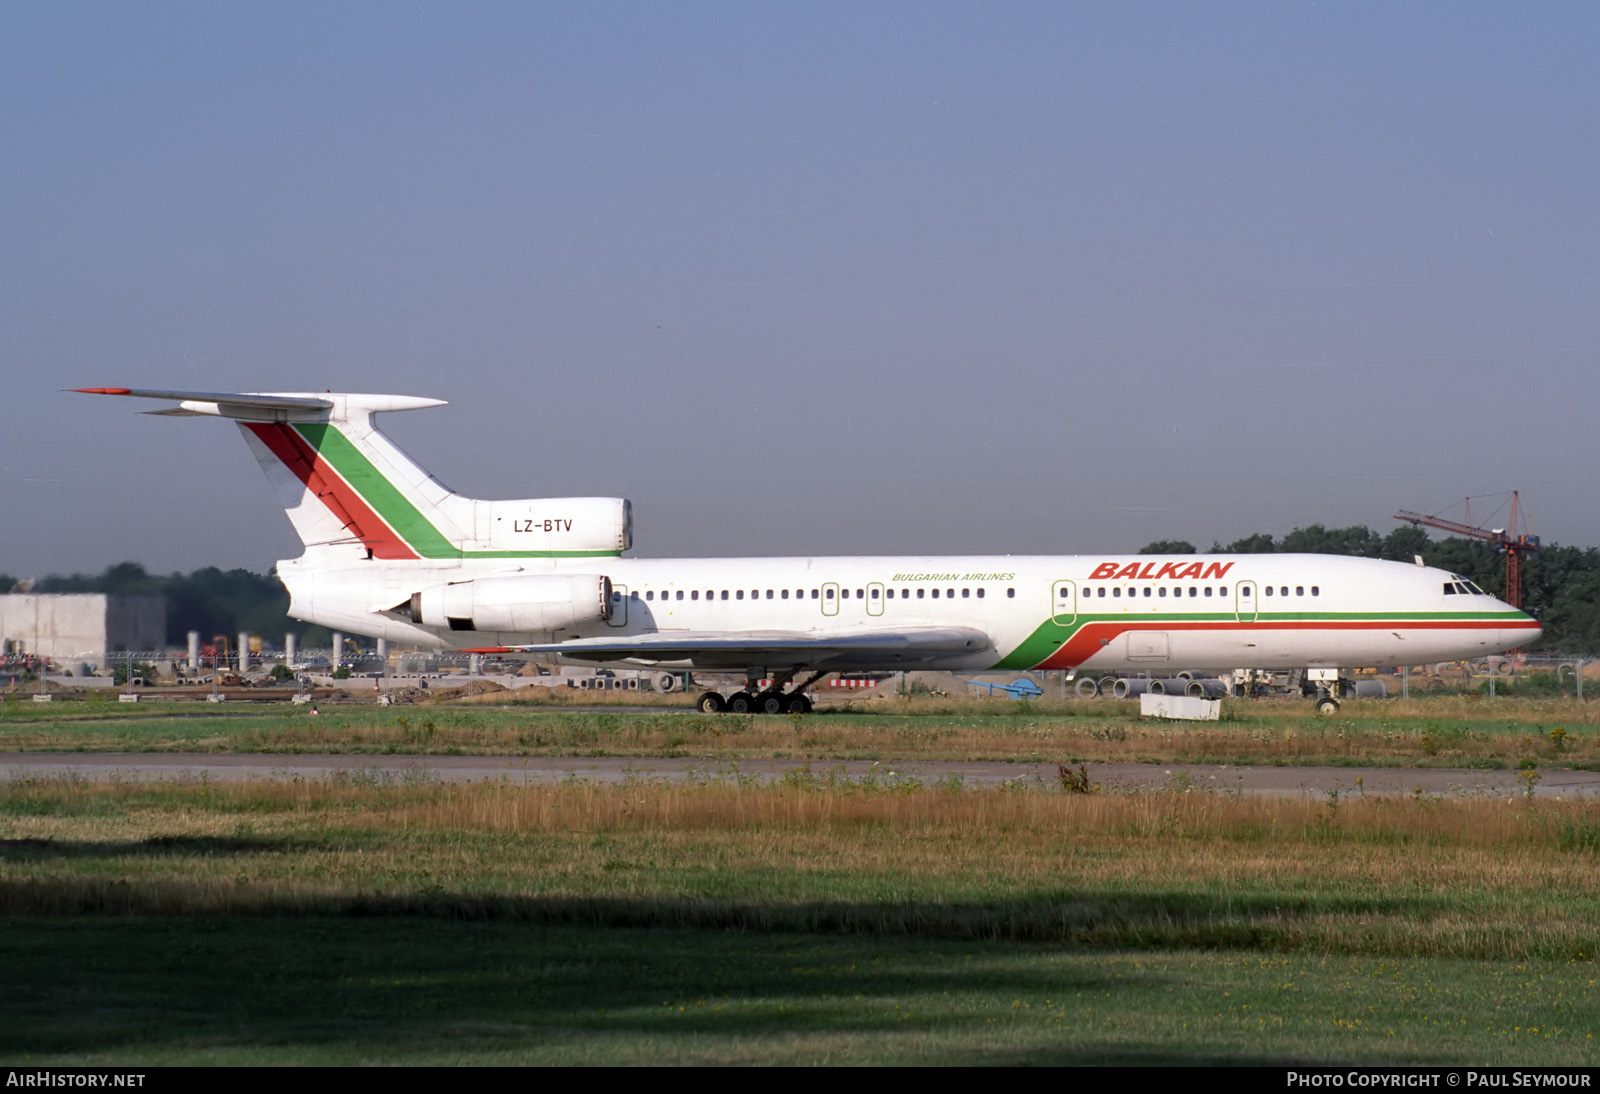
{"points": [[347, 487]]}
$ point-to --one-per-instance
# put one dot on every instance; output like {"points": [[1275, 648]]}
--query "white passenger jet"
{"points": [[392, 553]]}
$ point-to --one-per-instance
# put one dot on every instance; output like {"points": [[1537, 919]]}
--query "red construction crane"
{"points": [[1515, 544]]}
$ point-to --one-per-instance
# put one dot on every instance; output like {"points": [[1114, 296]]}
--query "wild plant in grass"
{"points": [[1529, 780], [1075, 780], [1577, 832]]}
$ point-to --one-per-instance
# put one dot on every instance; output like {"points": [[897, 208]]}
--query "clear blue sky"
{"points": [[809, 278]]}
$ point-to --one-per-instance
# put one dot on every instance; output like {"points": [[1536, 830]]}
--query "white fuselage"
{"points": [[1070, 612]]}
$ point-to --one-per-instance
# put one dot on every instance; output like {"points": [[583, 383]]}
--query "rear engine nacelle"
{"points": [[515, 604]]}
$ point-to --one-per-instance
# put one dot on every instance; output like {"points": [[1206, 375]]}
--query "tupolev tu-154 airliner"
{"points": [[390, 552]]}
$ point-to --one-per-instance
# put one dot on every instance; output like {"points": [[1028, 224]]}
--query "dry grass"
{"points": [[1445, 731], [1506, 707], [1459, 878], [814, 921]]}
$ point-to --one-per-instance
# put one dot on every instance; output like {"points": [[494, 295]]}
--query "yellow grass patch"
{"points": [[1460, 877]]}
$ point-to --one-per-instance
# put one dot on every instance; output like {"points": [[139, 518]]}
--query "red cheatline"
{"points": [[1091, 636]]}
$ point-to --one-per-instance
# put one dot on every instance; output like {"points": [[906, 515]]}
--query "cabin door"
{"points": [[1064, 603], [1244, 601]]}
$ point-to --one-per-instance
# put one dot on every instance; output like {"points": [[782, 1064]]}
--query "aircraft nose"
{"points": [[1524, 634]]}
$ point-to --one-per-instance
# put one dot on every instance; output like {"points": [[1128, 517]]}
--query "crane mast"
{"points": [[1515, 544]]}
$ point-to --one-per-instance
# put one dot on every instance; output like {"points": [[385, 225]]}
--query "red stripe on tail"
{"points": [[321, 480]]}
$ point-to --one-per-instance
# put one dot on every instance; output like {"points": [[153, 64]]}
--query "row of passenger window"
{"points": [[826, 593], [1194, 591]]}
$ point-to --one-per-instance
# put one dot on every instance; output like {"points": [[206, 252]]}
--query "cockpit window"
{"points": [[1449, 588]]}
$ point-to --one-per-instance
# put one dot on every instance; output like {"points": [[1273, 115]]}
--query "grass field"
{"points": [[385, 990], [815, 921], [1460, 731]]}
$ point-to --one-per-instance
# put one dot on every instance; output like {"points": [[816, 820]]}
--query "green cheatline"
{"points": [[1051, 636], [396, 509]]}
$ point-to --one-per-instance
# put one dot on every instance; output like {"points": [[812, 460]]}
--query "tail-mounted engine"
{"points": [[515, 604]]}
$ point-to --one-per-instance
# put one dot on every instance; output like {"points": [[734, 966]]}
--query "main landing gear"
{"points": [[772, 700]]}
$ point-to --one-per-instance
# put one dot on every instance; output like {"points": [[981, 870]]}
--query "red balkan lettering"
{"points": [[1149, 571]]}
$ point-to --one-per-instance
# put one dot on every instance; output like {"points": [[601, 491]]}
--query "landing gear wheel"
{"points": [[741, 702], [798, 704], [1327, 705], [771, 702], [711, 703]]}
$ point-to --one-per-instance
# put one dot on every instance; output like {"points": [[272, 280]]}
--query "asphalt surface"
{"points": [[546, 770]]}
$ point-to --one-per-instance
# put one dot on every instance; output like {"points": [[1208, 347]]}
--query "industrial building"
{"points": [[80, 626]]}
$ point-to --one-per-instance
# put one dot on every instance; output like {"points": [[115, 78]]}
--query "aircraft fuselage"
{"points": [[1090, 612]]}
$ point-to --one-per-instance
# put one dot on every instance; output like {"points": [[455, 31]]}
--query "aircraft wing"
{"points": [[869, 649]]}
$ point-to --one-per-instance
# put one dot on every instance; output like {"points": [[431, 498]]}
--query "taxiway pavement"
{"points": [[546, 770]]}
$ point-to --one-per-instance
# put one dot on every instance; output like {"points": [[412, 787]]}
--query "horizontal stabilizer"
{"points": [[255, 406], [216, 398]]}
